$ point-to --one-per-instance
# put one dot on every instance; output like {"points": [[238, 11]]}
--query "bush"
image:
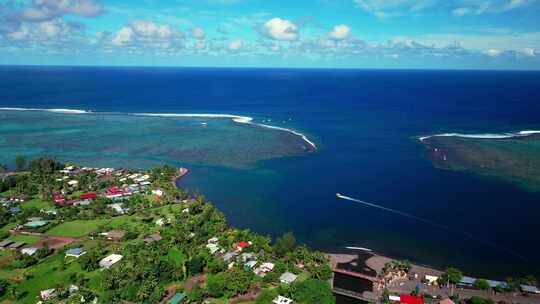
{"points": [[313, 291]]}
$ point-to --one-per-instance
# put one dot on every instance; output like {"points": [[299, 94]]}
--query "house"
{"points": [[495, 284], [529, 289], [282, 300], [229, 256], [29, 251], [35, 224], [16, 245], [114, 235], [177, 298], [15, 210], [446, 301], [59, 198], [287, 278], [5, 243], [213, 240], [75, 252], [241, 245], [250, 265], [117, 207], [88, 196], [47, 294], [246, 257], [431, 279], [213, 248], [110, 260], [408, 299], [153, 238], [157, 192], [467, 282], [264, 269], [73, 183]]}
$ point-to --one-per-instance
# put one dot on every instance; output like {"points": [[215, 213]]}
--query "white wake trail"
{"points": [[432, 223]]}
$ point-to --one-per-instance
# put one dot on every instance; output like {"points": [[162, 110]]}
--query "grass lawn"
{"points": [[37, 203], [49, 273], [8, 227], [81, 228], [77, 228], [28, 239]]}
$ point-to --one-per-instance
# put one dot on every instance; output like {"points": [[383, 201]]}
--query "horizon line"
{"points": [[264, 68]]}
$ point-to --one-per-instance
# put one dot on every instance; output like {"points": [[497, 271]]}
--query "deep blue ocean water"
{"points": [[365, 123]]}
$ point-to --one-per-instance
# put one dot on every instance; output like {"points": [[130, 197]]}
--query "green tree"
{"points": [[215, 285], [266, 296], [479, 300], [313, 291], [4, 285], [451, 276], [285, 244], [20, 162], [481, 284]]}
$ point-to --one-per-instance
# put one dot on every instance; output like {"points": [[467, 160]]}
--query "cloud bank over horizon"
{"points": [[496, 34]]}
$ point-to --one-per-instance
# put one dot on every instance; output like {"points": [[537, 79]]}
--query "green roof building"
{"points": [[177, 299]]}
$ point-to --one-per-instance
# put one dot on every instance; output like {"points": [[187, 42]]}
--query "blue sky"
{"points": [[448, 34]]}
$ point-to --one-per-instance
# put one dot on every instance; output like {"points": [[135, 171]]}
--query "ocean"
{"points": [[365, 125]]}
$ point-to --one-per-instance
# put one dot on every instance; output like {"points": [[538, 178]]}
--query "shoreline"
{"points": [[180, 172]]}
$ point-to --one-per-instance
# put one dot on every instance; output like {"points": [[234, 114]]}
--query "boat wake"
{"points": [[434, 224], [236, 118], [524, 133]]}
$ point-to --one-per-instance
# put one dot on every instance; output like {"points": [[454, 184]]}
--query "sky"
{"points": [[420, 34]]}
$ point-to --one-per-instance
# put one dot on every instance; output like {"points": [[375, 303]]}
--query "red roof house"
{"points": [[408, 299], [90, 195], [242, 245], [59, 199]]}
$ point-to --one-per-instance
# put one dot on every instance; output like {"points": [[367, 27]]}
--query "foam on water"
{"points": [[64, 111], [236, 118], [485, 135]]}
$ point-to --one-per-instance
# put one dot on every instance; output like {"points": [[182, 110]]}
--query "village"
{"points": [[104, 235], [72, 234]]}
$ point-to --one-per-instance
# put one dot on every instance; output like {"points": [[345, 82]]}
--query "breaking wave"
{"points": [[236, 118], [484, 136], [65, 111]]}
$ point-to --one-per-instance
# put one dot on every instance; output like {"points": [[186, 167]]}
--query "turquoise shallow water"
{"points": [[123, 140]]}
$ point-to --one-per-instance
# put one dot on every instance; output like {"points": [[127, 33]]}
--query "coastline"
{"points": [[180, 172]]}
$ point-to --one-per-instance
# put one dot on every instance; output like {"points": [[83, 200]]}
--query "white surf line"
{"points": [[64, 111], [235, 118], [468, 235], [359, 248], [484, 136]]}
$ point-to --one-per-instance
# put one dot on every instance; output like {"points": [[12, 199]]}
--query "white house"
{"points": [[282, 300], [109, 261], [29, 251], [212, 247], [287, 278], [264, 269], [47, 294]]}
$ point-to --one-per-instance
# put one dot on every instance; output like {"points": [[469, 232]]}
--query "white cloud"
{"points": [[123, 36], [528, 52], [236, 45], [281, 29], [492, 52], [42, 10], [151, 29], [340, 32], [478, 7], [198, 33], [147, 35], [391, 8]]}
